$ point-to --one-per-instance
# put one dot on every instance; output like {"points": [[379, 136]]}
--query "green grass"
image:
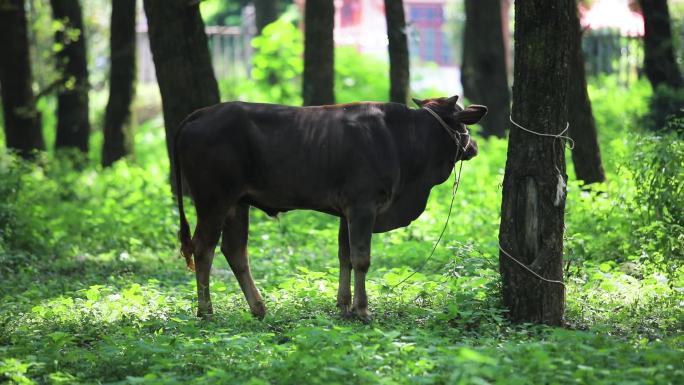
{"points": [[92, 289]]}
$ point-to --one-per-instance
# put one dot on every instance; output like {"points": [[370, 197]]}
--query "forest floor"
{"points": [[92, 289]]}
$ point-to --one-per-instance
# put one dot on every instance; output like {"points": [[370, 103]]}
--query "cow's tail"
{"points": [[186, 249]]}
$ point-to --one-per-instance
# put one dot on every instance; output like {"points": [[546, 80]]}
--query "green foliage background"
{"points": [[92, 289], [277, 67]]}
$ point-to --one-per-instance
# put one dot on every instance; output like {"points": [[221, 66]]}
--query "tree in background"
{"points": [[532, 210], [118, 135], [265, 13], [319, 53], [23, 130], [586, 154], [659, 58], [483, 73], [182, 63], [73, 126], [661, 67], [398, 51]]}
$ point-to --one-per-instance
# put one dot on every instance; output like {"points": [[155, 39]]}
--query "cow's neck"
{"points": [[426, 152], [438, 147]]}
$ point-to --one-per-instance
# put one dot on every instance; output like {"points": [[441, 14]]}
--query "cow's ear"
{"points": [[472, 114], [418, 102], [452, 100]]}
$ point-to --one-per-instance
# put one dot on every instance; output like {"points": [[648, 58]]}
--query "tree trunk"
{"points": [[398, 51], [118, 135], [319, 53], [508, 50], [73, 126], [265, 13], [659, 58], [586, 155], [182, 62], [23, 131], [532, 210], [483, 73]]}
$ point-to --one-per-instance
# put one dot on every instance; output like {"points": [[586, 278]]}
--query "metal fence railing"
{"points": [[608, 52], [230, 49]]}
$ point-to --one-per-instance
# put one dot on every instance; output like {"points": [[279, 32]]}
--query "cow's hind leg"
{"points": [[344, 288], [234, 248], [360, 221], [207, 233]]}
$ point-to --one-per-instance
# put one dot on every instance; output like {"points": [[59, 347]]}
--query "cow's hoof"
{"points": [[363, 315], [259, 310]]}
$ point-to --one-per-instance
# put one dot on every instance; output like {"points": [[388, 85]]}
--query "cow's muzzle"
{"points": [[470, 150]]}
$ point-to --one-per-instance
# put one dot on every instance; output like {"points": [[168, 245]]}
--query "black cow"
{"points": [[371, 164]]}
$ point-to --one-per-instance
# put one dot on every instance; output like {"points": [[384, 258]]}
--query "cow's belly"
{"points": [[273, 203], [389, 219], [274, 211]]}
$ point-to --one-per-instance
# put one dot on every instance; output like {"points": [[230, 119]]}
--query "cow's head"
{"points": [[457, 118]]}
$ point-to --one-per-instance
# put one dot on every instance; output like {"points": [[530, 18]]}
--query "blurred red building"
{"points": [[361, 23]]}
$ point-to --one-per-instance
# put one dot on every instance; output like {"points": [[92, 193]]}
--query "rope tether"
{"points": [[456, 136]]}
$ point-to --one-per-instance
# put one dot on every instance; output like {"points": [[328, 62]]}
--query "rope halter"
{"points": [[453, 134]]}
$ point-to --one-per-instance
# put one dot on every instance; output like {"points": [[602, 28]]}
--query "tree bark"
{"points": [[586, 155], [532, 210], [398, 51], [118, 135], [659, 58], [265, 13], [319, 53], [182, 63], [483, 73], [23, 131], [73, 126]]}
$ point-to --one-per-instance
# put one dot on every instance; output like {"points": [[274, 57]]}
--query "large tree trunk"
{"points": [[22, 121], [659, 58], [586, 155], [534, 190], [118, 135], [319, 53], [483, 73], [398, 51], [182, 62], [73, 126], [265, 13]]}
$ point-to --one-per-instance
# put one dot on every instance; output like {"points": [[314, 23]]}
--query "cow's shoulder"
{"points": [[371, 114], [361, 115]]}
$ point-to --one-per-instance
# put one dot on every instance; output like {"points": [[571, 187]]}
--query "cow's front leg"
{"points": [[344, 289], [361, 221]]}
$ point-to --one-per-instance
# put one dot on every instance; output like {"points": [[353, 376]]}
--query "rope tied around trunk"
{"points": [[560, 136], [530, 270], [560, 188]]}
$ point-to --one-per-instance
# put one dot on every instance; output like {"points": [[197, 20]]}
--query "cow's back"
{"points": [[283, 158]]}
